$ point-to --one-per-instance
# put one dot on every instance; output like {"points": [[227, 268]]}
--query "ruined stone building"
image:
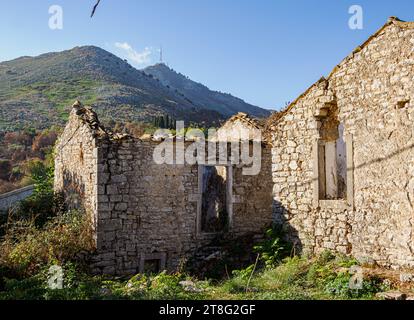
{"points": [[343, 157], [340, 175], [148, 216]]}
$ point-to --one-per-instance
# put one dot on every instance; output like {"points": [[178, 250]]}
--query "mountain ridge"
{"points": [[224, 103], [38, 91]]}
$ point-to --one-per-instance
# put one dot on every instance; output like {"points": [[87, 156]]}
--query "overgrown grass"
{"points": [[296, 278], [29, 250], [300, 278], [26, 249]]}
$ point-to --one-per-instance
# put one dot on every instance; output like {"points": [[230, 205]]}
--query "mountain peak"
{"points": [[160, 67], [38, 91], [223, 103]]}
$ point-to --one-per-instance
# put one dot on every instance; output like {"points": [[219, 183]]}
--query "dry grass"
{"points": [[25, 248]]}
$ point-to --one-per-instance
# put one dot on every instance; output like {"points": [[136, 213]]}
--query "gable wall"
{"points": [[232, 131], [76, 167], [145, 209], [367, 89]]}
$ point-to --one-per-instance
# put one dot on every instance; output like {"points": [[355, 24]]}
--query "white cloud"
{"points": [[138, 58]]}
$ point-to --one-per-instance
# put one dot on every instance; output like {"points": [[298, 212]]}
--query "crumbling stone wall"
{"points": [[373, 91], [146, 209], [143, 211], [76, 163], [252, 194], [143, 208], [240, 127]]}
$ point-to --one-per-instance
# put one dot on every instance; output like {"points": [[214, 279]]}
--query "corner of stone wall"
{"points": [[77, 162]]}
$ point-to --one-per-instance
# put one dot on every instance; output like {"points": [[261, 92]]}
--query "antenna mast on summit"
{"points": [[161, 54]]}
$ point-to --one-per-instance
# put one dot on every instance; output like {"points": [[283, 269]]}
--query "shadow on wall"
{"points": [[282, 216], [74, 191], [386, 157], [290, 234]]}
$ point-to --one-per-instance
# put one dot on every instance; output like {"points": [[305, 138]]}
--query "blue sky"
{"points": [[264, 51]]}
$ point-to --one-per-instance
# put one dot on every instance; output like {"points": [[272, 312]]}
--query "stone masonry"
{"points": [[145, 213], [367, 102], [339, 174]]}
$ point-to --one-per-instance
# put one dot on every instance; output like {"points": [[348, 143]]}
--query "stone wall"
{"points": [[143, 211], [373, 91], [76, 163], [10, 199], [151, 210], [143, 208], [240, 127], [252, 208]]}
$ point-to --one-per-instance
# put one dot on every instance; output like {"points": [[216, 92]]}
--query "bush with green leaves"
{"points": [[77, 285], [44, 204], [339, 285], [240, 280], [274, 248]]}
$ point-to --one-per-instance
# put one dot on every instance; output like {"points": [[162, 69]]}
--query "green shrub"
{"points": [[76, 286], [137, 285], [244, 274], [166, 286], [330, 273], [340, 286], [291, 272], [30, 288], [239, 282], [44, 203], [273, 249]]}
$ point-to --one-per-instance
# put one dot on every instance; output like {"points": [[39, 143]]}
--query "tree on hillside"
{"points": [[19, 138], [43, 142], [164, 122], [5, 169]]}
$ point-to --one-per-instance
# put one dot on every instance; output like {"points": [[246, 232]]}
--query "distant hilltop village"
{"points": [[335, 173]]}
